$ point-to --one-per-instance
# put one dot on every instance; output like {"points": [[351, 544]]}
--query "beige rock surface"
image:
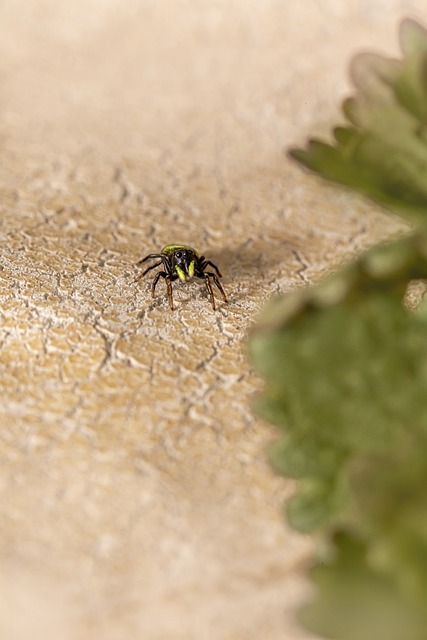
{"points": [[136, 500]]}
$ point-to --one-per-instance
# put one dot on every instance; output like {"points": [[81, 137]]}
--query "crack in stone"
{"points": [[304, 266]]}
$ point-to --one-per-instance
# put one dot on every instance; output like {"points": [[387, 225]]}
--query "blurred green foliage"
{"points": [[383, 150], [357, 601], [345, 365], [346, 372]]}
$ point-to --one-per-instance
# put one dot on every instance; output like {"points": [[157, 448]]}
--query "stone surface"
{"points": [[136, 499]]}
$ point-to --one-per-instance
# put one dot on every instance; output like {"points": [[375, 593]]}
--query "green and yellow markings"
{"points": [[180, 273]]}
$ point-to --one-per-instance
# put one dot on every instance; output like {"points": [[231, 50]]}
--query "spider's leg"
{"points": [[151, 256], [153, 266], [207, 263], [159, 275], [169, 286], [209, 288], [168, 279], [217, 282]]}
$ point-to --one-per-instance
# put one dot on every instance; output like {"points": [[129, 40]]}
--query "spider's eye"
{"points": [[178, 254]]}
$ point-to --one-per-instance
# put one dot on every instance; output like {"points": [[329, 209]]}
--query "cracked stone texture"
{"points": [[136, 500]]}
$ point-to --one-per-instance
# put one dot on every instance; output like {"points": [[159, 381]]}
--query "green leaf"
{"points": [[382, 152], [317, 504], [345, 365], [346, 379], [302, 456]]}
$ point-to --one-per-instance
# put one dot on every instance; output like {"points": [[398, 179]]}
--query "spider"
{"points": [[183, 262]]}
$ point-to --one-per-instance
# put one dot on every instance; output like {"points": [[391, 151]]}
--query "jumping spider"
{"points": [[183, 262]]}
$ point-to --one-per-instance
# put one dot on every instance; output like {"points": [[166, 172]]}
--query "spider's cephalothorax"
{"points": [[183, 262]]}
